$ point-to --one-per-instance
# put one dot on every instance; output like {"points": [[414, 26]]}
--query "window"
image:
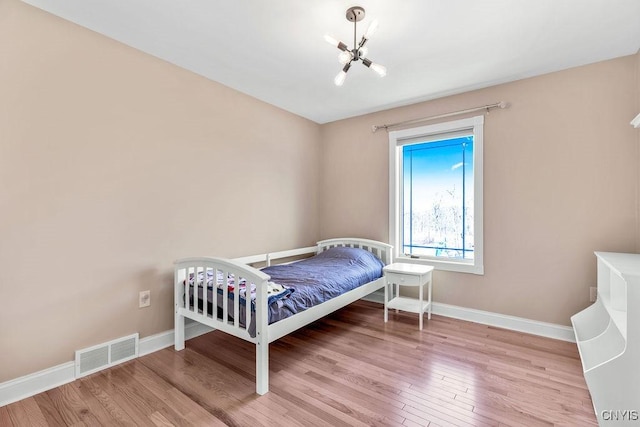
{"points": [[435, 205]]}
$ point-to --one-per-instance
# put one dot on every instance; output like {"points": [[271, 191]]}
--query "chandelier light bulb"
{"points": [[339, 80], [373, 27], [336, 43], [363, 51], [344, 57], [331, 40], [381, 70]]}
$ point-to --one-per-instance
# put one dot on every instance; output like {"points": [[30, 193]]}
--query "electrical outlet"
{"points": [[593, 293], [144, 299]]}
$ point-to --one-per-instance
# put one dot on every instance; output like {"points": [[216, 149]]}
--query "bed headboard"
{"points": [[384, 251]]}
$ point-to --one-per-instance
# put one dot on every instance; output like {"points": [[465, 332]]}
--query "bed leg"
{"points": [[178, 332], [262, 367]]}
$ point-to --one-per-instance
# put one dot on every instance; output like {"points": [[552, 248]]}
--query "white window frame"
{"points": [[396, 139]]}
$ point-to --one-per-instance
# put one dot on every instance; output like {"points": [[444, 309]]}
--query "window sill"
{"points": [[456, 266]]}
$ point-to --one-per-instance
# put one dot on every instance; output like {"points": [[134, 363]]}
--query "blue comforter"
{"points": [[307, 283], [320, 278]]}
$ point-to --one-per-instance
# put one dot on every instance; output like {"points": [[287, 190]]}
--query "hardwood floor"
{"points": [[345, 370]]}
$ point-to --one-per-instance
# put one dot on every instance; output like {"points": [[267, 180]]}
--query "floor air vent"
{"points": [[102, 356]]}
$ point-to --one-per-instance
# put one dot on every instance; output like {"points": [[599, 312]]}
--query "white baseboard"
{"points": [[32, 384], [520, 324], [377, 296], [164, 339]]}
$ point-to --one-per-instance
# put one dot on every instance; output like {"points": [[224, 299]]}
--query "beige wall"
{"points": [[113, 164], [560, 181], [109, 160]]}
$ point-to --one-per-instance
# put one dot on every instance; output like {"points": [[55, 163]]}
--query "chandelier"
{"points": [[355, 14]]}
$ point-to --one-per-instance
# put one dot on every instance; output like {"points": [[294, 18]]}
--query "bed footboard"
{"points": [[192, 300]]}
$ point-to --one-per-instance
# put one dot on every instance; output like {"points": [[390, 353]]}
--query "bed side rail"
{"points": [[268, 258]]}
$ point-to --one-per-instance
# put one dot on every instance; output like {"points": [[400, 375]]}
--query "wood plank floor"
{"points": [[348, 369]]}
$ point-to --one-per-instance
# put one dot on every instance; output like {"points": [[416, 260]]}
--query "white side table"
{"points": [[404, 274]]}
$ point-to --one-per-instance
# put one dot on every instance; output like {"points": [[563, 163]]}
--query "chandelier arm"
{"points": [[363, 41], [381, 70], [346, 66]]}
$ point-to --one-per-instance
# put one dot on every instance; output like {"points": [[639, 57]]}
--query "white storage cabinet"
{"points": [[608, 338]]}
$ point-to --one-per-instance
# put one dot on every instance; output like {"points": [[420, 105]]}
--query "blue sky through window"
{"points": [[438, 198]]}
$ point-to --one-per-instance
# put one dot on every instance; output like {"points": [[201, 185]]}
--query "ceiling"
{"points": [[275, 51]]}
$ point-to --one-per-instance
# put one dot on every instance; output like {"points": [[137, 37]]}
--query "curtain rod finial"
{"points": [[503, 104]]}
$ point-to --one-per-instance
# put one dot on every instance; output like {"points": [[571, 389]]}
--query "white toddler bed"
{"points": [[223, 319]]}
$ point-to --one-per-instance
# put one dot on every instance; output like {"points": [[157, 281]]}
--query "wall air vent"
{"points": [[102, 356]]}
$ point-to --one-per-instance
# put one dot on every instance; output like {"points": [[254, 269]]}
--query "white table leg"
{"points": [[386, 300], [430, 283], [421, 311], [395, 292]]}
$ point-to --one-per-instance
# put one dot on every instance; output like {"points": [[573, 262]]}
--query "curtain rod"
{"points": [[488, 107]]}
